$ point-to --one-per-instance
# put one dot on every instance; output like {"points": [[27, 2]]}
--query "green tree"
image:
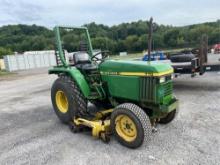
{"points": [[132, 44], [131, 37], [5, 51]]}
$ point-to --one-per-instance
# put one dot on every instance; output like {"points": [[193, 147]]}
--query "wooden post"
{"points": [[203, 52], [150, 38]]}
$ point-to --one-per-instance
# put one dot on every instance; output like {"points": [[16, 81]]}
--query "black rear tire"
{"points": [[170, 116], [139, 119], [76, 102]]}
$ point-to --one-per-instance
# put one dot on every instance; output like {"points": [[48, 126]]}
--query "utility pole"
{"points": [[150, 26], [203, 52]]}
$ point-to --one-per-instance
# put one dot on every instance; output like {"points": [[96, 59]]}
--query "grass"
{"points": [[4, 73]]}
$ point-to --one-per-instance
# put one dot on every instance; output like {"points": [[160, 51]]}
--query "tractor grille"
{"points": [[168, 88], [148, 89]]}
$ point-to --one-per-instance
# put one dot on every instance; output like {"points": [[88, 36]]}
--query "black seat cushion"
{"points": [[87, 67], [81, 58]]}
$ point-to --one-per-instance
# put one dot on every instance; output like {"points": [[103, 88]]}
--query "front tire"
{"points": [[130, 125], [67, 99], [167, 119]]}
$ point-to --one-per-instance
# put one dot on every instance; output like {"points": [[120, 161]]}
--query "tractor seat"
{"points": [[83, 62], [89, 67], [86, 67]]}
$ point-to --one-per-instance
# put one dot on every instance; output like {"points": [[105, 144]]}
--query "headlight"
{"points": [[162, 79]]}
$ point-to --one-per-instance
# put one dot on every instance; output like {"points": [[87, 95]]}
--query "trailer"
{"points": [[189, 62], [200, 64]]}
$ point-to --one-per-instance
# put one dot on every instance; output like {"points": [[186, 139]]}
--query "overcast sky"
{"points": [[109, 12]]}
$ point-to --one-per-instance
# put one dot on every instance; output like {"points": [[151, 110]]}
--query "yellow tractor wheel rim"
{"points": [[61, 101], [126, 128]]}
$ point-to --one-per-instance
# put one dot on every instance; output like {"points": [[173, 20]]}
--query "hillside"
{"points": [[131, 37]]}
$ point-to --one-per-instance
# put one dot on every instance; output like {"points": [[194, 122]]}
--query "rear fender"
{"points": [[76, 75]]}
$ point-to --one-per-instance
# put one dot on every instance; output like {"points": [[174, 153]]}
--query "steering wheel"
{"points": [[103, 53]]}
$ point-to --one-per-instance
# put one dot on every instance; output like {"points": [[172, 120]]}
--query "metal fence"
{"points": [[28, 61]]}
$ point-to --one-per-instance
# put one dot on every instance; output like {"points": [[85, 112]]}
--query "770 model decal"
{"points": [[138, 73]]}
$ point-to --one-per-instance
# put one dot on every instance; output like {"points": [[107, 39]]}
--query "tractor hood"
{"points": [[135, 68]]}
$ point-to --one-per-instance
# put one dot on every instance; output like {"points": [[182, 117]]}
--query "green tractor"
{"points": [[130, 96]]}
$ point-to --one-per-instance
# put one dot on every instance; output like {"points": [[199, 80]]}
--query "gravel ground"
{"points": [[30, 133]]}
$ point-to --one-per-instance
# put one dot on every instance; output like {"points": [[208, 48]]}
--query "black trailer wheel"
{"points": [[170, 116], [67, 99], [130, 125], [182, 58]]}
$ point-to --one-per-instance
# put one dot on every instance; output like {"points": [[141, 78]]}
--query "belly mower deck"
{"points": [[100, 125]]}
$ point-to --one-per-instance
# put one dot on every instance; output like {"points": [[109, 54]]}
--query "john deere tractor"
{"points": [[130, 96]]}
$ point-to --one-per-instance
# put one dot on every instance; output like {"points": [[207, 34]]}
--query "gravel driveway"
{"points": [[30, 133]]}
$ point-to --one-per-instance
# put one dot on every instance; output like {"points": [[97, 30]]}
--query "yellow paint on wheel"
{"points": [[61, 101], [125, 128]]}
